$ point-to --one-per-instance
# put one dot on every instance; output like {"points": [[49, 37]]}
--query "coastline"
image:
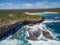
{"points": [[15, 26], [28, 13]]}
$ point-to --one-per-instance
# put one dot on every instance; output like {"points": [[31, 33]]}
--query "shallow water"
{"points": [[50, 16]]}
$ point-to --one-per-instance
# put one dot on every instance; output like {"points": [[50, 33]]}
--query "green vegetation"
{"points": [[7, 16], [10, 15], [18, 14], [43, 10]]}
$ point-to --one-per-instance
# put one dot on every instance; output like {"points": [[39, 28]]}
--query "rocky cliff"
{"points": [[11, 29]]}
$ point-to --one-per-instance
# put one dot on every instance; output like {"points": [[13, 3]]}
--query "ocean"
{"points": [[50, 24], [53, 23]]}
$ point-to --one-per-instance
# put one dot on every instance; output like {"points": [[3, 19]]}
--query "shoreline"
{"points": [[15, 26], [28, 13]]}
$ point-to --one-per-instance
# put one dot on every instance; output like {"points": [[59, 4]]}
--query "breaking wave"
{"points": [[20, 36]]}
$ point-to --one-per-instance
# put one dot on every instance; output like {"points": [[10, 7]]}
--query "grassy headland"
{"points": [[7, 16]]}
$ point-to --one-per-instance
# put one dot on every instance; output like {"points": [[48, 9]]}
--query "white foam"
{"points": [[18, 42], [40, 26], [51, 20], [11, 42], [50, 42]]}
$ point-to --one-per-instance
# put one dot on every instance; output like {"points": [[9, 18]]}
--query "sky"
{"points": [[29, 4]]}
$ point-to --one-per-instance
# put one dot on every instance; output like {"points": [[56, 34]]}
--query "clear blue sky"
{"points": [[29, 4]]}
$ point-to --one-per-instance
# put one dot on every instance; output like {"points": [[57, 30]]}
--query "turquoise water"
{"points": [[50, 16], [50, 24]]}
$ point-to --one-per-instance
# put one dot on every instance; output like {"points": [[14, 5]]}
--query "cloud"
{"points": [[42, 5], [27, 5], [9, 4], [37, 5]]}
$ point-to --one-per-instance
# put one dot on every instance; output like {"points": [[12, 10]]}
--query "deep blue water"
{"points": [[54, 26]]}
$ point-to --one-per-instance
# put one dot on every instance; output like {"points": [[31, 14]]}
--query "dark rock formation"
{"points": [[47, 35], [11, 29], [33, 35]]}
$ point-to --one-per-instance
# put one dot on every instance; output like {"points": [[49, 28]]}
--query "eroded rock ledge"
{"points": [[11, 29]]}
